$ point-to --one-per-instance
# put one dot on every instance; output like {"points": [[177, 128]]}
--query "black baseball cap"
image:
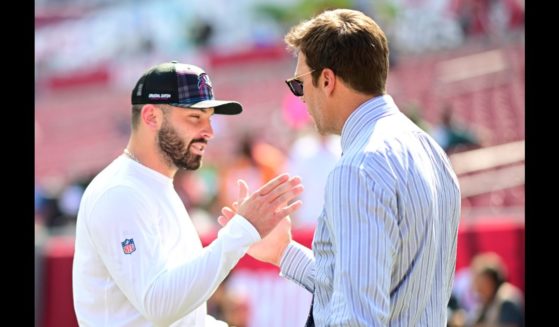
{"points": [[180, 85]]}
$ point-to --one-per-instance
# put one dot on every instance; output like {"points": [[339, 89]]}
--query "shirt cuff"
{"points": [[234, 239], [240, 223], [297, 264]]}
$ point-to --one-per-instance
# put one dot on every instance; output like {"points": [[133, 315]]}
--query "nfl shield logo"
{"points": [[128, 246]]}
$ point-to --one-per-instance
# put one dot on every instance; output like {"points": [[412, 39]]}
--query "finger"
{"points": [[235, 206], [286, 220], [227, 212], [223, 220], [272, 184], [288, 210], [243, 188], [287, 196], [282, 189]]}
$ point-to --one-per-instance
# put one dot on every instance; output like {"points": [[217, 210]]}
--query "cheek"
{"points": [[309, 101], [183, 133], [315, 106], [187, 141]]}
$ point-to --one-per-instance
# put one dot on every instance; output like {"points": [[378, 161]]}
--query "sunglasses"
{"points": [[295, 85]]}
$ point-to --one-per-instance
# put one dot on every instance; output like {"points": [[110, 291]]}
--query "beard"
{"points": [[174, 149]]}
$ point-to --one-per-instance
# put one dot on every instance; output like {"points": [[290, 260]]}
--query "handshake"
{"points": [[268, 210]]}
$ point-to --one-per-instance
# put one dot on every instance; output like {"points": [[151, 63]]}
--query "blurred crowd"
{"points": [[205, 191]]}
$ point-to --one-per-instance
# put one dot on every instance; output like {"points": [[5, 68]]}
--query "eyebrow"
{"points": [[202, 110]]}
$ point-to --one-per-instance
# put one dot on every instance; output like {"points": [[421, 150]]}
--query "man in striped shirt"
{"points": [[384, 249]]}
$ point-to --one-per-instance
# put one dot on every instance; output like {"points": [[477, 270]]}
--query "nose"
{"points": [[207, 131]]}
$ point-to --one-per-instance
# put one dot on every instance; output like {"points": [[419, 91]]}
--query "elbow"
{"points": [[158, 317], [157, 312]]}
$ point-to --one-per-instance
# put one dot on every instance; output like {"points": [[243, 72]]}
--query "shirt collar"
{"points": [[365, 115], [148, 172]]}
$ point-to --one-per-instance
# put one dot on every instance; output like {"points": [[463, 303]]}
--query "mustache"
{"points": [[200, 140]]}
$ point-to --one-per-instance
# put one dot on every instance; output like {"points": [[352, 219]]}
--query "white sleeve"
{"points": [[212, 322], [161, 294]]}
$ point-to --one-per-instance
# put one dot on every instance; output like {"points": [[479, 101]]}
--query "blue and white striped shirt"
{"points": [[384, 250]]}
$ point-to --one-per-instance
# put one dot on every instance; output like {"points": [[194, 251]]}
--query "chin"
{"points": [[319, 129], [193, 164]]}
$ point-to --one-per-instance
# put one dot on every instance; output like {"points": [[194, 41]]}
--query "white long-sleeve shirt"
{"points": [[138, 260], [384, 250]]}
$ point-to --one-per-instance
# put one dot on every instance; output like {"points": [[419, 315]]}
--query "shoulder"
{"points": [[113, 189], [509, 293], [121, 200], [366, 171], [116, 184]]}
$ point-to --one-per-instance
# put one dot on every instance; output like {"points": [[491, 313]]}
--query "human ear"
{"points": [[151, 116], [328, 80]]}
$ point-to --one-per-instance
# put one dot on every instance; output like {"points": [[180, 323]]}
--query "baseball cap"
{"points": [[180, 85]]}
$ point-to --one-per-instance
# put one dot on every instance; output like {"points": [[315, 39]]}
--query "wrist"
{"points": [[280, 255]]}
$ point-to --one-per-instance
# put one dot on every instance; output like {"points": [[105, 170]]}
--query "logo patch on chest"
{"points": [[128, 246]]}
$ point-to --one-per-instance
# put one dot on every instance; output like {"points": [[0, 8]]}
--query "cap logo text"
{"points": [[159, 96]]}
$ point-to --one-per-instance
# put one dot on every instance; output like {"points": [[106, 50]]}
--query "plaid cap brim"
{"points": [[221, 107]]}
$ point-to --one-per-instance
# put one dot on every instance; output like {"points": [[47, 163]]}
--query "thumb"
{"points": [[243, 189]]}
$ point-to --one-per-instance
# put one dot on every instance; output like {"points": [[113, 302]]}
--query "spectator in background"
{"points": [[451, 136], [230, 304], [456, 314], [255, 162], [216, 302], [236, 310], [414, 113], [47, 208], [501, 303], [489, 19], [197, 198], [463, 291], [69, 201], [39, 201], [312, 157], [200, 32], [138, 260]]}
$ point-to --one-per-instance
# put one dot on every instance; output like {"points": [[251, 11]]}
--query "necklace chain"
{"points": [[131, 156]]}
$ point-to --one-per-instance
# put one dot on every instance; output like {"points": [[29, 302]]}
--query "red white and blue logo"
{"points": [[128, 246]]}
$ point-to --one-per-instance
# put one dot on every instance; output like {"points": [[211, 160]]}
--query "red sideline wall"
{"points": [[501, 235]]}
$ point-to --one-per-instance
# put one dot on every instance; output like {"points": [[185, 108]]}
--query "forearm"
{"points": [[298, 264], [177, 292]]}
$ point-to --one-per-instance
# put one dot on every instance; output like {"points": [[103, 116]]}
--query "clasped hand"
{"points": [[267, 209]]}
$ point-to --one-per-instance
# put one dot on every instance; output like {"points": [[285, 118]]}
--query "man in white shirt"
{"points": [[312, 157], [384, 248], [138, 259]]}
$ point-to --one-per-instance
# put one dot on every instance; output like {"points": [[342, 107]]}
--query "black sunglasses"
{"points": [[295, 85]]}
